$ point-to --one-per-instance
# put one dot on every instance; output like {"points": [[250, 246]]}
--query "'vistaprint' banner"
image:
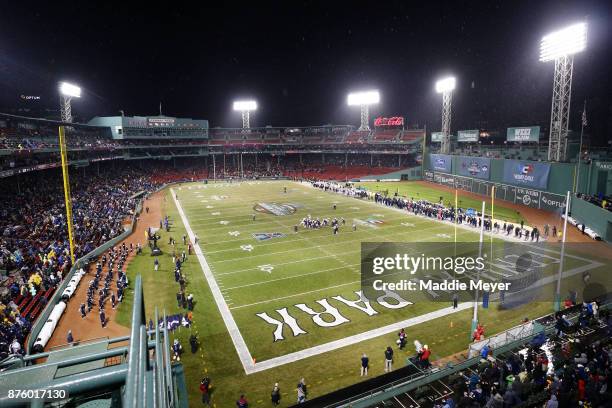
{"points": [[528, 174]]}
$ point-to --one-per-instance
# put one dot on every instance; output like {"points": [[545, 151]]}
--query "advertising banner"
{"points": [[440, 162], [527, 174], [530, 198], [551, 202], [523, 134], [437, 136], [519, 195], [444, 179], [478, 167], [468, 135]]}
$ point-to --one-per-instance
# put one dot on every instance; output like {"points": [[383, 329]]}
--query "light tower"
{"points": [[446, 87], [67, 92], [560, 46], [245, 107], [364, 100]]}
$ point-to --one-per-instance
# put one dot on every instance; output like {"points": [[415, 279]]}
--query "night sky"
{"points": [[299, 60]]}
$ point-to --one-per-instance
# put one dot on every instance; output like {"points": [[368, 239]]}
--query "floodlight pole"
{"points": [[559, 115], [245, 119], [475, 314], [557, 302], [447, 98], [67, 195], [365, 117], [65, 108]]}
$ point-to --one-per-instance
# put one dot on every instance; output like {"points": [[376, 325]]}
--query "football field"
{"points": [[266, 272], [274, 305]]}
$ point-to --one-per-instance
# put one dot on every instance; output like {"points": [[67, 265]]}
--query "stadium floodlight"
{"points": [[364, 100], [446, 86], [71, 90], [560, 46], [67, 92], [245, 107], [567, 41]]}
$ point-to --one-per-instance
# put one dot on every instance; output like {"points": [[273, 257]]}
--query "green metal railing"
{"points": [[141, 371]]}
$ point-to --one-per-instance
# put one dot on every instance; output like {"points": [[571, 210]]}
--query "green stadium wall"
{"points": [[593, 178], [595, 217], [411, 173]]}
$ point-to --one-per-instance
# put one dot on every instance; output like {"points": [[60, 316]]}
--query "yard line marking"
{"points": [[301, 249], [294, 295], [301, 260], [290, 277], [241, 348], [263, 225]]}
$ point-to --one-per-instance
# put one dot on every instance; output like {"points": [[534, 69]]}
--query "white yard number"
{"points": [[234, 233], [223, 222], [247, 248], [447, 236], [215, 213], [354, 208], [266, 268], [209, 206], [407, 224]]}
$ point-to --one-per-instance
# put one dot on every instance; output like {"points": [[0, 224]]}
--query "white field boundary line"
{"points": [[241, 348]]}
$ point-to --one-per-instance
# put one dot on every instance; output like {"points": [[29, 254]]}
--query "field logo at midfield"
{"points": [[374, 221], [264, 236], [275, 208], [367, 223]]}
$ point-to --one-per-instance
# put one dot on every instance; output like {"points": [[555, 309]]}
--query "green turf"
{"points": [[416, 190], [309, 261]]}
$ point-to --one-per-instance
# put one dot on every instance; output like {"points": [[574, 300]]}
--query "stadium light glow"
{"points": [[70, 90], [567, 41], [445, 85], [363, 98], [245, 106]]}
